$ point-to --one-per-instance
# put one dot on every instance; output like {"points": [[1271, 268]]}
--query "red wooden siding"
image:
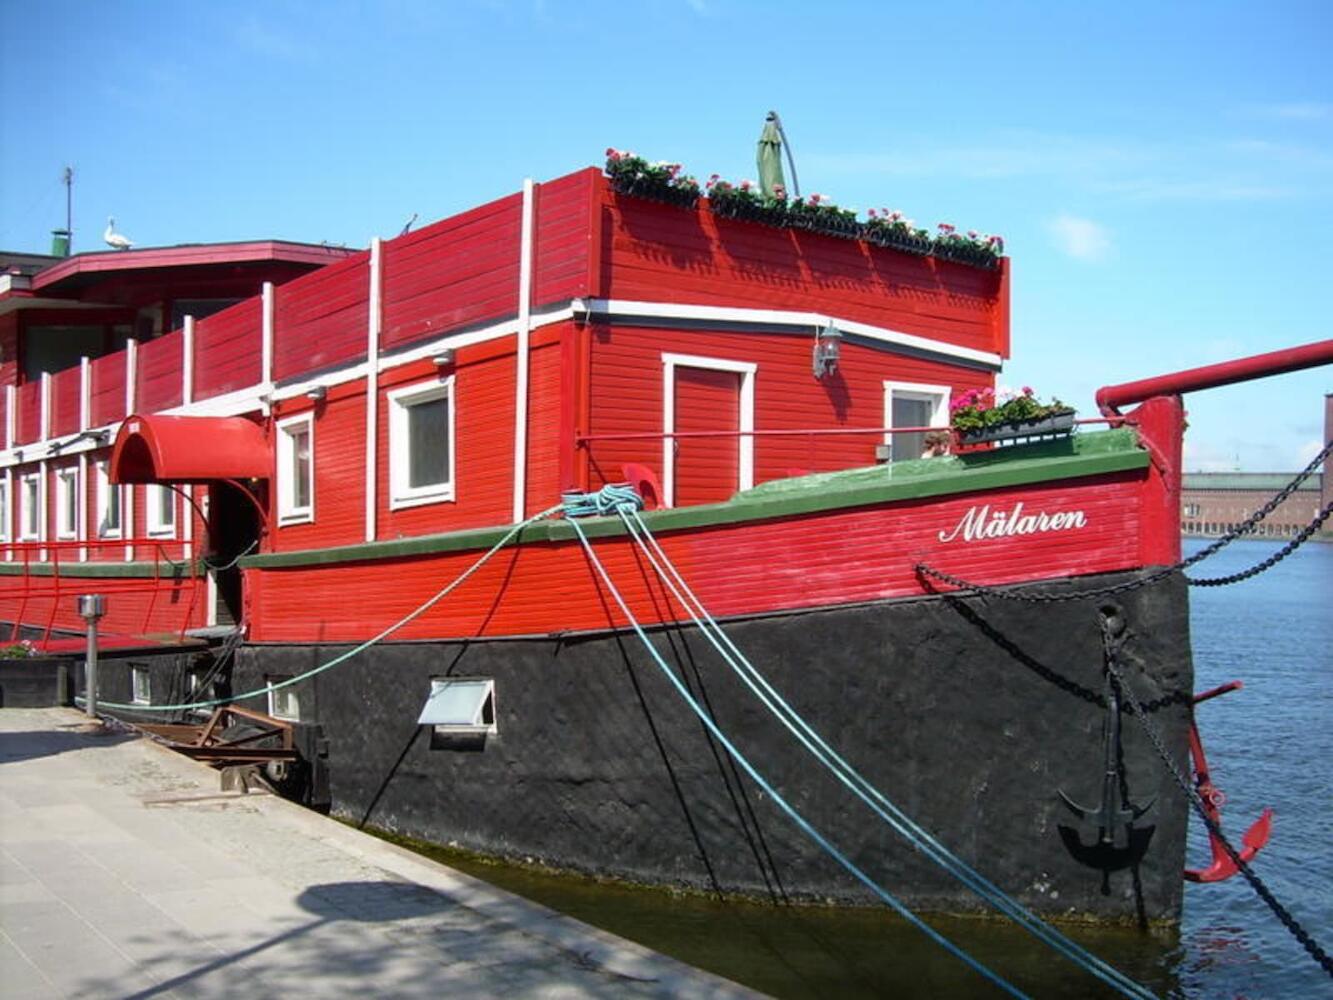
{"points": [[661, 253], [29, 404], [108, 389], [563, 237], [706, 469], [626, 397], [321, 319], [160, 363], [544, 381], [484, 438], [9, 348], [66, 389], [227, 349], [456, 272], [735, 569], [340, 472]]}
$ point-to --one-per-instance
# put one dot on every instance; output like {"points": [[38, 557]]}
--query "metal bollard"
{"points": [[91, 608]]}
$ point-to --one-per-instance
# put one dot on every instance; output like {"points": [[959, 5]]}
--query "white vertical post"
{"points": [[11, 418], [373, 325], [45, 413], [131, 398], [266, 346], [521, 348], [43, 498], [187, 362], [84, 491]]}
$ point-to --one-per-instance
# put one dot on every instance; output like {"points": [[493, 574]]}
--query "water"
{"points": [[1269, 744]]}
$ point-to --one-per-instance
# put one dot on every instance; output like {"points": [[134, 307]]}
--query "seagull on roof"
{"points": [[113, 239]]}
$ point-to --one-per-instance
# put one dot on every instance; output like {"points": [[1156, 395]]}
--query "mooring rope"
{"points": [[792, 813], [421, 609], [860, 786]]}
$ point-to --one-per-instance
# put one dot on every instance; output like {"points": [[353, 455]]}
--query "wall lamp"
{"points": [[828, 349], [317, 393], [444, 358]]}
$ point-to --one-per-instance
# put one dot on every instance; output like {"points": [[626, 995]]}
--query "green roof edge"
{"points": [[1089, 454]]}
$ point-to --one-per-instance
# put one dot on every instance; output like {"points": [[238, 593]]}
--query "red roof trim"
{"points": [[185, 256], [155, 449]]}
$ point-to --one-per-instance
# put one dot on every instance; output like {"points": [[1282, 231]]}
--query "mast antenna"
{"points": [[68, 179]]}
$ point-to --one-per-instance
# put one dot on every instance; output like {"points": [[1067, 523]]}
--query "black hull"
{"points": [[969, 715]]}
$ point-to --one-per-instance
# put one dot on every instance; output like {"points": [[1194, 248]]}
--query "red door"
{"points": [[707, 468]]}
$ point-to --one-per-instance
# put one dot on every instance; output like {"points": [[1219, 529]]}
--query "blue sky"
{"points": [[1162, 173]]}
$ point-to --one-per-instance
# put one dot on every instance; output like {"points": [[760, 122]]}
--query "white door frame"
{"points": [[745, 449]]}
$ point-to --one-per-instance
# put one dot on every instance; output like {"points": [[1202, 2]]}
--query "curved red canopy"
{"points": [[155, 449]]}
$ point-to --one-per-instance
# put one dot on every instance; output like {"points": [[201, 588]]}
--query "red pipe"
{"points": [[1110, 398]]}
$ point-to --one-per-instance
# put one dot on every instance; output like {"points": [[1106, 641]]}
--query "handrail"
{"points": [[1111, 397], [584, 439]]}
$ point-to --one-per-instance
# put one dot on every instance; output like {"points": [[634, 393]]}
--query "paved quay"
{"points": [[125, 872]]}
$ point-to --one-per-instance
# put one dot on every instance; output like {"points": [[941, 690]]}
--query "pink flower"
{"points": [[746, 185], [871, 213], [1027, 390], [895, 216], [972, 234], [946, 229], [814, 199]]}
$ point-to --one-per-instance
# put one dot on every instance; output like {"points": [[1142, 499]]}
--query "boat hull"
{"points": [[970, 714]]}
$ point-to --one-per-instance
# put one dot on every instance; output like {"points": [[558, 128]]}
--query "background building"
{"points": [[1212, 503]]}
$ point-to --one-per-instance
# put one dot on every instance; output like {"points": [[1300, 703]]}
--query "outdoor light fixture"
{"points": [[828, 348], [317, 393], [444, 358]]}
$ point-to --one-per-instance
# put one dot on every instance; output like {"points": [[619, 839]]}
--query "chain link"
{"points": [[1110, 645], [1121, 588]]}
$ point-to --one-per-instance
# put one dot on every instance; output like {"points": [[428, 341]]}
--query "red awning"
{"points": [[157, 449]]}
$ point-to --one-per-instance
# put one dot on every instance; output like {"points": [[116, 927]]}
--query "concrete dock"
{"points": [[125, 872]]}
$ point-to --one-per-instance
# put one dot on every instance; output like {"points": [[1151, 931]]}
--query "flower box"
{"points": [[898, 240], [749, 211], [1050, 425], [656, 190], [964, 252]]}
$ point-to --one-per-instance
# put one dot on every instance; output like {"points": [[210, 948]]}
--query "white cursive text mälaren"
{"points": [[982, 522]]}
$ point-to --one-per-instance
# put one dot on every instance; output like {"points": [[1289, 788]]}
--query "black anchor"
{"points": [[1119, 843]]}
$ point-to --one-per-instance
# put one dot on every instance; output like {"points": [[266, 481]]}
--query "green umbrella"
{"points": [[769, 158]]}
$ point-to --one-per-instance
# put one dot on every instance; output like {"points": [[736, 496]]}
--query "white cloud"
{"points": [[1305, 453], [1297, 111], [1080, 238]]}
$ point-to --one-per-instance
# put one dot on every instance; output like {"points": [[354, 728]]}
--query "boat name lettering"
{"points": [[982, 522]]}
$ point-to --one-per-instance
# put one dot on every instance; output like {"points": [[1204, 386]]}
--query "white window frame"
{"points": [[67, 502], [476, 725], [284, 702], [400, 401], [288, 510], [153, 497], [105, 490], [30, 510], [745, 442], [141, 686], [938, 395]]}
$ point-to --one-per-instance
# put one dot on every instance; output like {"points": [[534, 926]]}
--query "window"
{"points": [[67, 502], [4, 508], [1191, 510], [421, 444], [283, 702], [908, 404], [296, 470], [460, 706], [141, 686], [161, 510], [108, 504], [30, 506]]}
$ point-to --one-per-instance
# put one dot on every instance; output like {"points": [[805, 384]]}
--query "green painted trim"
{"points": [[1095, 454], [135, 570]]}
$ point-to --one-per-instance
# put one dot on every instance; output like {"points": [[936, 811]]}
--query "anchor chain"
{"points": [[987, 590], [1292, 925]]}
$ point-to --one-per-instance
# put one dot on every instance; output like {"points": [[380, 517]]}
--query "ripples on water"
{"points": [[1270, 744]]}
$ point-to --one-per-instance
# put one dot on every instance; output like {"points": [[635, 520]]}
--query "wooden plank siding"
{"points": [[227, 349], [28, 425], [339, 471], [456, 272], [319, 320], [563, 238], [626, 396], [543, 588], [661, 253], [108, 389], [66, 393], [158, 369]]}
